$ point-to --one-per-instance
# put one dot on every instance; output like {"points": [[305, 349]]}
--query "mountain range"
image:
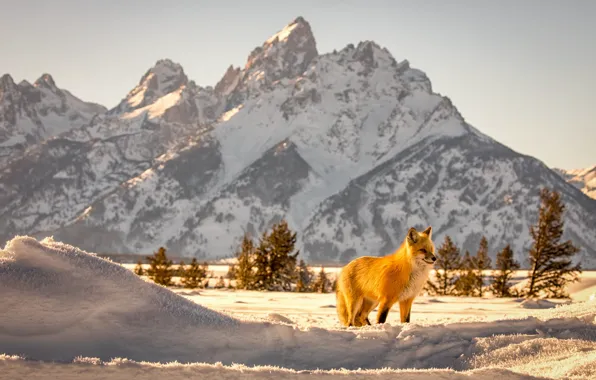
{"points": [[352, 147], [583, 179]]}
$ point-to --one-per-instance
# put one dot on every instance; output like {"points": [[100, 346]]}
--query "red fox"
{"points": [[368, 281]]}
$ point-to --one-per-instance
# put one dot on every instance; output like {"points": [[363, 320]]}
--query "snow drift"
{"points": [[62, 304]]}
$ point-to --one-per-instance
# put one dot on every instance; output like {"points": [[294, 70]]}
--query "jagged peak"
{"points": [[6, 81], [164, 77], [163, 71], [45, 81], [229, 81], [285, 54], [166, 64], [298, 27]]}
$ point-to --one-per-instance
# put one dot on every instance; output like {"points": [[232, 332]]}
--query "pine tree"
{"points": [[205, 270], [506, 265], [220, 284], [551, 259], [322, 283], [305, 278], [282, 263], [231, 272], [263, 279], [467, 282], [181, 269], [139, 268], [481, 262], [160, 268], [244, 274], [193, 276], [447, 265]]}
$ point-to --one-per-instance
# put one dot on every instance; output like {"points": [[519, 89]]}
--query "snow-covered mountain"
{"points": [[31, 113], [352, 147], [583, 179], [57, 180]]}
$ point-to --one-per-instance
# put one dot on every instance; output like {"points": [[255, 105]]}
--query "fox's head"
{"points": [[421, 247]]}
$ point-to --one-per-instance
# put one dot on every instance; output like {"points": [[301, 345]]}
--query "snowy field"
{"points": [[68, 314]]}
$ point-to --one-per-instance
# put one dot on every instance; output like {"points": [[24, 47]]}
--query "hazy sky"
{"points": [[523, 72]]}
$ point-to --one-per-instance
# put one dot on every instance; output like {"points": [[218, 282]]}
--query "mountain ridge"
{"points": [[352, 147]]}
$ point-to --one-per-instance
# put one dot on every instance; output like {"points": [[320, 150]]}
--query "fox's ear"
{"points": [[428, 232], [412, 236]]}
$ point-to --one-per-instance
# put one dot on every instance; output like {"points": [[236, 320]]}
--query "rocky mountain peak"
{"points": [[229, 81], [286, 54], [162, 79], [6, 82], [46, 81]]}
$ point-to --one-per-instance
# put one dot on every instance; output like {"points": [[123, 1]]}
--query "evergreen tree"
{"points": [[262, 275], [139, 271], [506, 265], [193, 276], [550, 258], [481, 262], [305, 278], [181, 269], [282, 260], [447, 265], [322, 283], [334, 285], [244, 274], [160, 268], [467, 282], [205, 269], [220, 284], [231, 272]]}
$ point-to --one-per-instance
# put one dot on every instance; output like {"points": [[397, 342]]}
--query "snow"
{"points": [[158, 108], [283, 34], [70, 313], [583, 179]]}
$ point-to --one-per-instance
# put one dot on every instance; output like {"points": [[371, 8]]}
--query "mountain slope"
{"points": [[351, 147], [31, 113], [583, 179], [57, 179]]}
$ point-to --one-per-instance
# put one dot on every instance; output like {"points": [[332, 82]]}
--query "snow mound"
{"points": [[275, 317], [15, 368], [537, 304], [62, 304]]}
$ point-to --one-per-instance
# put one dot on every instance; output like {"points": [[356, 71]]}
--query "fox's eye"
{"points": [[423, 251]]}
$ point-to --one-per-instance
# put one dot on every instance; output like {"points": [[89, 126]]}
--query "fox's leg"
{"points": [[384, 307], [342, 311], [367, 306], [353, 305], [405, 307]]}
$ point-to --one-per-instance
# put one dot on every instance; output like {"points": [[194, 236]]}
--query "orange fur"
{"points": [[369, 281]]}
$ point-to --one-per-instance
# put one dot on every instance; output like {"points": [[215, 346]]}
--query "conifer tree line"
{"points": [[550, 260], [161, 271], [271, 264], [268, 264]]}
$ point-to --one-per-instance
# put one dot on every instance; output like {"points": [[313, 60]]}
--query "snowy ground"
{"points": [[67, 314]]}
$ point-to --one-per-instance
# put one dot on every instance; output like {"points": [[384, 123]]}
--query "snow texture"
{"points": [[65, 305]]}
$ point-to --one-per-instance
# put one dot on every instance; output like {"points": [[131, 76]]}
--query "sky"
{"points": [[522, 72]]}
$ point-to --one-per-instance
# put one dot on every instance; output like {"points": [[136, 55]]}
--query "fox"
{"points": [[367, 281]]}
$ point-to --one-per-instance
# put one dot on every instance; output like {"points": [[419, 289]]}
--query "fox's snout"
{"points": [[429, 257]]}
